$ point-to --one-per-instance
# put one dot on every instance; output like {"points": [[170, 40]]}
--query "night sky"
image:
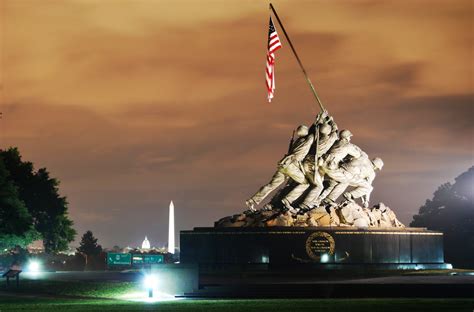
{"points": [[132, 104]]}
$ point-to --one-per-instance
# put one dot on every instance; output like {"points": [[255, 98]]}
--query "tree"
{"points": [[14, 217], [40, 193], [451, 211], [88, 245], [16, 224]]}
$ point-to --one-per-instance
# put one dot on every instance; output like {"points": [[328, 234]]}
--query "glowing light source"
{"points": [[146, 243], [324, 258], [150, 281], [34, 266]]}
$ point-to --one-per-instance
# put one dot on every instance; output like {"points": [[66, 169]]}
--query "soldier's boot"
{"points": [[348, 197], [268, 207], [251, 204], [329, 202], [305, 208], [287, 206]]}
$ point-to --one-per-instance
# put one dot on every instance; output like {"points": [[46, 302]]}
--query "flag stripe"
{"points": [[273, 40]]}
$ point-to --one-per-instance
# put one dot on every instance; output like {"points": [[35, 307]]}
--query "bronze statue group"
{"points": [[321, 165]]}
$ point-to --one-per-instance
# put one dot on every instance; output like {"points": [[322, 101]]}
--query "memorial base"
{"points": [[314, 248]]}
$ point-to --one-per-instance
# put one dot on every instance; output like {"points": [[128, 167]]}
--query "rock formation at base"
{"points": [[347, 214]]}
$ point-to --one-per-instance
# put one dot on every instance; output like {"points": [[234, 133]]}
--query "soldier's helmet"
{"points": [[345, 134], [302, 131], [325, 129], [378, 163]]}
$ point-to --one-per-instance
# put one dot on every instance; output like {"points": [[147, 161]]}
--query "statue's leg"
{"points": [[277, 179], [337, 191], [296, 174], [363, 189], [326, 191], [275, 201], [311, 198], [294, 194], [335, 177]]}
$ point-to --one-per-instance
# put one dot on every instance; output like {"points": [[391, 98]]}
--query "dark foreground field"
{"points": [[274, 305], [116, 295]]}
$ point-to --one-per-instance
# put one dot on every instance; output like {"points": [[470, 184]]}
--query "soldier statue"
{"points": [[291, 167], [318, 168]]}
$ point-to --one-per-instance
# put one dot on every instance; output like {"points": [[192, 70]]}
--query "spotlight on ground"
{"points": [[150, 282], [34, 266], [324, 258]]}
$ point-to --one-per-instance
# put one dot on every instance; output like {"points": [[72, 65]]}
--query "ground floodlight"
{"points": [[150, 282], [34, 266], [324, 258]]}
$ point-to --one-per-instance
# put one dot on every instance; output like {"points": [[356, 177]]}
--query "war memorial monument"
{"points": [[320, 215]]}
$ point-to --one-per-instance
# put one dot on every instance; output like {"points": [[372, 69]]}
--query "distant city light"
{"points": [[146, 244], [324, 258]]}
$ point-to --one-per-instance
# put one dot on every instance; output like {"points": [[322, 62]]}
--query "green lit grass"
{"points": [[385, 305], [439, 272], [42, 295], [73, 288]]}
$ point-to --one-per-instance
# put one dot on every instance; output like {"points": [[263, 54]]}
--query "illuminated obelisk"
{"points": [[171, 230]]}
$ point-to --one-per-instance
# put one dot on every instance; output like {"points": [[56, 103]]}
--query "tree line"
{"points": [[451, 211]]}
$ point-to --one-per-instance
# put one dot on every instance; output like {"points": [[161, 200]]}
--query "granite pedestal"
{"points": [[318, 247]]}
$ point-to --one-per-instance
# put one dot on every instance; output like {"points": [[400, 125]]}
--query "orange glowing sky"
{"points": [[132, 104]]}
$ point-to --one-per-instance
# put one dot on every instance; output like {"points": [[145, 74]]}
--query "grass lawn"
{"points": [[47, 295], [72, 288], [274, 305]]}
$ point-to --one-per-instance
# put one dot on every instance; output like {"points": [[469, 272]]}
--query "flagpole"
{"points": [[298, 59]]}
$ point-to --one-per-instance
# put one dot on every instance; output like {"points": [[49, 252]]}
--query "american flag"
{"points": [[273, 45]]}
